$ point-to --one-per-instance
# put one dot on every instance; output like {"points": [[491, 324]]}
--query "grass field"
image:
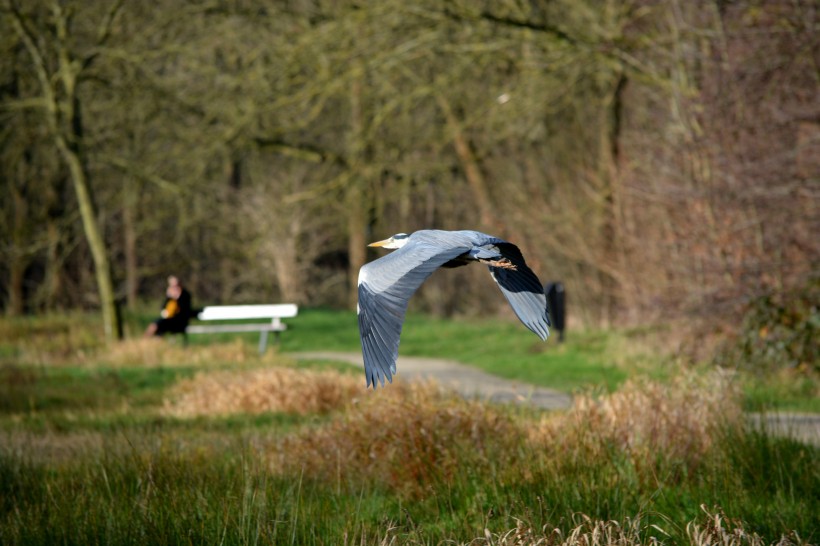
{"points": [[502, 348], [150, 442]]}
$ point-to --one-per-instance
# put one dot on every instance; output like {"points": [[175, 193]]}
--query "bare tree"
{"points": [[61, 107]]}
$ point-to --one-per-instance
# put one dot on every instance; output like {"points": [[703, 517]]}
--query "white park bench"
{"points": [[274, 312]]}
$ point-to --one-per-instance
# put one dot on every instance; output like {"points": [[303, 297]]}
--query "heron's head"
{"points": [[396, 241]]}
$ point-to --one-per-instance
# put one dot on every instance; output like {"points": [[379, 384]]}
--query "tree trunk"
{"points": [[487, 216], [102, 267], [62, 114], [356, 241], [17, 261], [491, 216], [611, 251], [129, 228], [356, 205], [53, 283]]}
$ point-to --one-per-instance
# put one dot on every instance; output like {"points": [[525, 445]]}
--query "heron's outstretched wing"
{"points": [[523, 290], [385, 287]]}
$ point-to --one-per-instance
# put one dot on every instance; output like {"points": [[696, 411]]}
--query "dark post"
{"points": [[120, 333], [556, 304]]}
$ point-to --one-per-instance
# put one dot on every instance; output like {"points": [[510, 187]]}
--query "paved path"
{"points": [[466, 380], [472, 382]]}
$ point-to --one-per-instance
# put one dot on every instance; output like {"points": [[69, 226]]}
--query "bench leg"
{"points": [[263, 341]]}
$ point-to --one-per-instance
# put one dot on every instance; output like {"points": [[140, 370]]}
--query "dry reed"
{"points": [[406, 437], [648, 421], [171, 352], [586, 532], [262, 390], [413, 434], [714, 528], [719, 529]]}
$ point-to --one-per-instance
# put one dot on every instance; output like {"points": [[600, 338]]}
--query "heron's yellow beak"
{"points": [[380, 243]]}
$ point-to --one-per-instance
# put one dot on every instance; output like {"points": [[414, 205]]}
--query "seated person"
{"points": [[176, 311]]}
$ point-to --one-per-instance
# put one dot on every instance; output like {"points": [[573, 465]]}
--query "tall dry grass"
{"points": [[651, 423], [413, 435], [717, 528], [262, 390], [714, 528], [142, 352], [407, 437]]}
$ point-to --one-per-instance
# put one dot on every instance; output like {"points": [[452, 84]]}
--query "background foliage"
{"points": [[660, 158]]}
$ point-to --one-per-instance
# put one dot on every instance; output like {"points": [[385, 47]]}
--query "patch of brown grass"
{"points": [[586, 532], [169, 352], [411, 435], [717, 528], [714, 528], [648, 421], [262, 390], [407, 437], [711, 529]]}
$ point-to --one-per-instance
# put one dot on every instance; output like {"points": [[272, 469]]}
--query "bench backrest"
{"points": [[229, 312]]}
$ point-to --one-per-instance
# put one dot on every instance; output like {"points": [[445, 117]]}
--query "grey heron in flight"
{"points": [[386, 285]]}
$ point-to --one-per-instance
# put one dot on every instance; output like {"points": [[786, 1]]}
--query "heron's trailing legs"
{"points": [[503, 263]]}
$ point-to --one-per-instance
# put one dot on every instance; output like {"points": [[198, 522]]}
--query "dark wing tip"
{"points": [[524, 293]]}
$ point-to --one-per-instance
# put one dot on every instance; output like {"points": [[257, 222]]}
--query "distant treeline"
{"points": [[660, 158]]}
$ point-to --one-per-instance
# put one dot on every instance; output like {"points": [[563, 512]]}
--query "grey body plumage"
{"points": [[386, 285]]}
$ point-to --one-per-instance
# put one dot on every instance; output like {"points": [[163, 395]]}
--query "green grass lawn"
{"points": [[588, 359], [503, 348]]}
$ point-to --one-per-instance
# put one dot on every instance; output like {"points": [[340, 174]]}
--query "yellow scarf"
{"points": [[171, 308]]}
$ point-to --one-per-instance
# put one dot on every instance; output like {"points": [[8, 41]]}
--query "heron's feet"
{"points": [[503, 263]]}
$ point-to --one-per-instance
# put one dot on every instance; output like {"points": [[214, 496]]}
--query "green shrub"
{"points": [[779, 331]]}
